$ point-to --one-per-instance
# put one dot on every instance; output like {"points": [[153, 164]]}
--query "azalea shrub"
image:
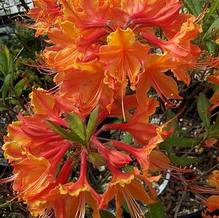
{"points": [[125, 73]]}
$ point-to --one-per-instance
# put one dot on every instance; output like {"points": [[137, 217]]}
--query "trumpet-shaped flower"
{"points": [[154, 13], [69, 200], [63, 53], [123, 57], [45, 14], [125, 188], [113, 157], [138, 124], [154, 76], [141, 154], [82, 87]]}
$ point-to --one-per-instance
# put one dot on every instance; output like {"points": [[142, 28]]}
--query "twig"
{"points": [[16, 57], [206, 172], [179, 204]]}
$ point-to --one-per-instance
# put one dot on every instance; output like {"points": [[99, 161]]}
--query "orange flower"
{"points": [[100, 53], [125, 188], [213, 179], [64, 52], [32, 178], [82, 87], [152, 12], [182, 40], [213, 203], [80, 12], [154, 76], [69, 200], [13, 147], [214, 78], [141, 154], [138, 125], [129, 103], [26, 181], [215, 98], [123, 57], [44, 103], [181, 56], [158, 161], [45, 14], [179, 45], [113, 157], [31, 134]]}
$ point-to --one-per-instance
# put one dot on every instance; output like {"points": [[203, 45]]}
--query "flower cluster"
{"points": [[107, 55]]}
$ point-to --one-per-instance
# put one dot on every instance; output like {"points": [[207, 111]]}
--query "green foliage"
{"points": [[213, 7], [17, 79], [155, 210], [210, 26], [127, 138], [184, 160], [92, 123], [106, 214], [194, 6], [213, 27], [65, 133], [202, 106], [209, 21], [6, 62], [179, 142], [76, 125], [175, 142], [11, 85], [213, 130]]}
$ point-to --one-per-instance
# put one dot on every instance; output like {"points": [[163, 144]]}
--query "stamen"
{"points": [[54, 89], [48, 213], [123, 108], [133, 206], [81, 206]]}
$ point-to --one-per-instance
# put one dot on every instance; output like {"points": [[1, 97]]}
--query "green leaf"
{"points": [[211, 46], [127, 138], [213, 131], [213, 8], [183, 160], [92, 123], [6, 85], [3, 108], [64, 133], [155, 211], [19, 87], [194, 6], [203, 112], [76, 125], [128, 168], [179, 142], [106, 214], [6, 62], [214, 26]]}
